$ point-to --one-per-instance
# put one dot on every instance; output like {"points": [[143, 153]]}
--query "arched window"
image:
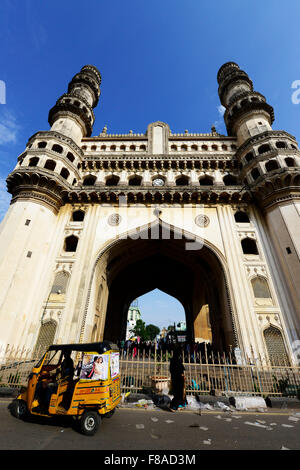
{"points": [[289, 161], [249, 246], [70, 157], [50, 165], [57, 148], [275, 346], [206, 181], [260, 288], [174, 147], [45, 338], [244, 103], [255, 173], [42, 145], [230, 180], [70, 244], [249, 157], [93, 147], [64, 173], [194, 147], [33, 161], [204, 147], [182, 181], [184, 148], [264, 148], [78, 216], [280, 145], [135, 181], [112, 180], [60, 283], [271, 165], [113, 148], [123, 147], [103, 147], [241, 217], [142, 147], [89, 180], [132, 148], [214, 147], [224, 147]]}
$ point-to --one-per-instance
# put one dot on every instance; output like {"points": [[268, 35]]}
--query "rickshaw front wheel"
{"points": [[19, 409], [89, 422]]}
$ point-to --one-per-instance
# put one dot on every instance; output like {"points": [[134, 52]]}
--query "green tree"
{"points": [[145, 332], [139, 329], [152, 331]]}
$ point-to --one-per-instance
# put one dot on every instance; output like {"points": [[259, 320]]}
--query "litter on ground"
{"points": [[293, 418], [258, 425], [139, 426], [207, 442]]}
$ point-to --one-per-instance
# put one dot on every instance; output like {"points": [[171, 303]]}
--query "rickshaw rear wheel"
{"points": [[19, 409], [89, 422]]}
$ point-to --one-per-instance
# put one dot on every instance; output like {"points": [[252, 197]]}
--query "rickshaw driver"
{"points": [[66, 370], [49, 383]]}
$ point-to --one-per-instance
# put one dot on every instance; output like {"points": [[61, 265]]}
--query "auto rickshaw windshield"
{"points": [[52, 357]]}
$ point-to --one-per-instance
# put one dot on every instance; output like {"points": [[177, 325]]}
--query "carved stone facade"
{"points": [[96, 221]]}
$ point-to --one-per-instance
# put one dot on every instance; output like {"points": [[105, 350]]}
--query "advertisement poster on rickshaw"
{"points": [[94, 367], [114, 365]]}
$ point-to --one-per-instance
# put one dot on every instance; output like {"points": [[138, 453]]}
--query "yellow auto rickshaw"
{"points": [[79, 380]]}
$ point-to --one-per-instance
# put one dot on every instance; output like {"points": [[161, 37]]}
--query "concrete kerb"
{"points": [[9, 392], [133, 398]]}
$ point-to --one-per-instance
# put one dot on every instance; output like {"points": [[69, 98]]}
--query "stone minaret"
{"points": [[269, 162], [72, 115], [30, 232]]}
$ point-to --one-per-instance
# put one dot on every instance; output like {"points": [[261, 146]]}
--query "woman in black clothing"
{"points": [[177, 377]]}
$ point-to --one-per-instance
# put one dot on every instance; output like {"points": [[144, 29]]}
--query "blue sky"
{"points": [[160, 309], [158, 59]]}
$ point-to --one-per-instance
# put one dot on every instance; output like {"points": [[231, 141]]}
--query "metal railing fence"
{"points": [[210, 373], [205, 372]]}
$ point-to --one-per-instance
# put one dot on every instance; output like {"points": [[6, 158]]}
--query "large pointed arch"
{"points": [[160, 255]]}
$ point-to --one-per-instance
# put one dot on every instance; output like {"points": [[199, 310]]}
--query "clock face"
{"points": [[158, 182]]}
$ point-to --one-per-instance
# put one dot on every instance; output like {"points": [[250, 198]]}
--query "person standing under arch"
{"points": [[178, 381]]}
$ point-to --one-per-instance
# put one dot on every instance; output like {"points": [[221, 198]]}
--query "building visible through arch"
{"points": [[98, 220]]}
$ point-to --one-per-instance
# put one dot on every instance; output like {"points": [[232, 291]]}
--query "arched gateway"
{"points": [[161, 256]]}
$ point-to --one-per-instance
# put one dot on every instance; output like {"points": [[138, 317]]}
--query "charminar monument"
{"points": [[97, 221]]}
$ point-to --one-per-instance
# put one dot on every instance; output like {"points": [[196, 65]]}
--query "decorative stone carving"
{"points": [[158, 182], [202, 220], [114, 220]]}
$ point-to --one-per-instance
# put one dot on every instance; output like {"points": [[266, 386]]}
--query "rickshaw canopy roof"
{"points": [[100, 348]]}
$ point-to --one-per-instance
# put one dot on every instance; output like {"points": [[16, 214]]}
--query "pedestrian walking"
{"points": [[177, 381]]}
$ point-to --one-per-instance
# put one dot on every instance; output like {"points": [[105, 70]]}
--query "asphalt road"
{"points": [[139, 429]]}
